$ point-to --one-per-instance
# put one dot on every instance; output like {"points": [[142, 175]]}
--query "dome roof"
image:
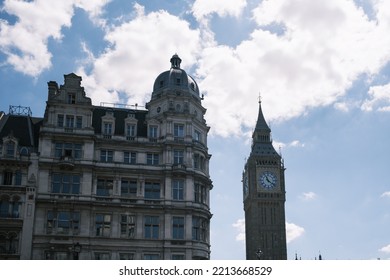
{"points": [[175, 78]]}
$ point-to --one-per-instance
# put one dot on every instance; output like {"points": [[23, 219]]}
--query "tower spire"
{"points": [[261, 124]]}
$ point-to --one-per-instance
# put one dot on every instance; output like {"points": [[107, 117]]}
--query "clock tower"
{"points": [[264, 197]]}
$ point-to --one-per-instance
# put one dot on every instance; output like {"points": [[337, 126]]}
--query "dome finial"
{"points": [[175, 61]]}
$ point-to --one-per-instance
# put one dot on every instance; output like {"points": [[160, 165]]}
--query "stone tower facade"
{"points": [[264, 197]]}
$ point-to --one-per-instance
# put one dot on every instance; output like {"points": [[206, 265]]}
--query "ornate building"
{"points": [[264, 197], [121, 182]]}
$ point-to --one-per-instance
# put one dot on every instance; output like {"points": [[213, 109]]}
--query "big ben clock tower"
{"points": [[264, 197]]}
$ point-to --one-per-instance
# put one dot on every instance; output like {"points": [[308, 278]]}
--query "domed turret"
{"points": [[175, 79]]}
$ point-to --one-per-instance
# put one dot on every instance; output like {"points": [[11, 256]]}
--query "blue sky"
{"points": [[322, 69]]}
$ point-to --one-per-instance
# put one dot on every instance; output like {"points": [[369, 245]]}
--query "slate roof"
{"points": [[24, 128]]}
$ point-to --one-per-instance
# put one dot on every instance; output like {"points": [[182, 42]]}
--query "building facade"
{"points": [[18, 168], [264, 197], [120, 182]]}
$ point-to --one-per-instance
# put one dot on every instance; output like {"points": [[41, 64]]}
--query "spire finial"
{"points": [[259, 97]]}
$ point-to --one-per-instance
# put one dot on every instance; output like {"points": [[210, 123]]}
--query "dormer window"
{"points": [[153, 131], [108, 125], [107, 128], [161, 84], [10, 149], [177, 81], [130, 130]]}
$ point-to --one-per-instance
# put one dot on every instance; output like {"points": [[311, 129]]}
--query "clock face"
{"points": [[267, 180]]}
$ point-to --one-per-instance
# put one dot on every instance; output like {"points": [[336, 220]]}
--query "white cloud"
{"points": [[203, 8], [379, 98], [325, 47], [385, 249], [307, 196], [386, 194], [293, 231], [25, 42], [293, 144], [239, 225], [139, 51]]}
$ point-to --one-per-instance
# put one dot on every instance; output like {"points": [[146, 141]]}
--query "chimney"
{"points": [[52, 89]]}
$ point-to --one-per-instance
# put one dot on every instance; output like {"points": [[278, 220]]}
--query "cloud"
{"points": [[385, 249], [293, 231], [386, 194], [25, 42], [292, 144], [203, 8], [130, 64], [295, 70], [308, 196], [379, 98], [239, 225]]}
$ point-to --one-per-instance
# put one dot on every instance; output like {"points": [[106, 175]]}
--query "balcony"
{"points": [[66, 162], [179, 168]]}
